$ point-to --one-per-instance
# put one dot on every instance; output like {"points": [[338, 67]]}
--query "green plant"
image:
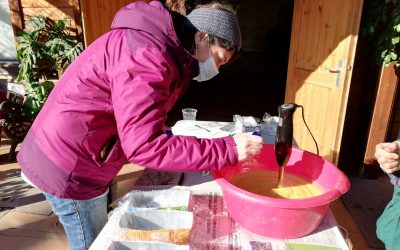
{"points": [[381, 23], [35, 97], [45, 50]]}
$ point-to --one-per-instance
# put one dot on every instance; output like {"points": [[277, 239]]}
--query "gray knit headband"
{"points": [[218, 23]]}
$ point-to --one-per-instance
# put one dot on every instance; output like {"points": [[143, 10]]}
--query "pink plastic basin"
{"points": [[283, 218]]}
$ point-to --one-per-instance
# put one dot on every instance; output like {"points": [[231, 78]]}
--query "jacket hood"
{"points": [[147, 17]]}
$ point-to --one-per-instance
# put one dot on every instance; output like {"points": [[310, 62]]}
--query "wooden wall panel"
{"points": [[22, 10], [98, 15], [55, 14], [48, 3]]}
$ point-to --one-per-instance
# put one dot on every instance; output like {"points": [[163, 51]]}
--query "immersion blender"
{"points": [[284, 137]]}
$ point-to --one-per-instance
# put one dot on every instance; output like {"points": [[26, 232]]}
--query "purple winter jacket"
{"points": [[114, 98]]}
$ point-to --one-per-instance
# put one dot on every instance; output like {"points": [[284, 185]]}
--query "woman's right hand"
{"points": [[247, 145], [387, 155]]}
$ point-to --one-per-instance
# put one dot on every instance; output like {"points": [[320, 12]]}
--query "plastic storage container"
{"points": [[137, 245], [283, 218], [155, 225]]}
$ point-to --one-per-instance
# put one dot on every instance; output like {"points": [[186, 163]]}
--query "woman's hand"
{"points": [[387, 155], [247, 145]]}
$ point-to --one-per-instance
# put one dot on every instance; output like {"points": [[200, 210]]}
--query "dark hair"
{"points": [[229, 5], [186, 32], [228, 45]]}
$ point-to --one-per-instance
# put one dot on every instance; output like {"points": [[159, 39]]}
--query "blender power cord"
{"points": [[305, 123]]}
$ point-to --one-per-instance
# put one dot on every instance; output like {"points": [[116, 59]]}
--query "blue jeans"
{"points": [[82, 219]]}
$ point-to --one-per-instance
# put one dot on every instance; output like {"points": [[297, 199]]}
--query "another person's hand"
{"points": [[247, 145], [387, 155]]}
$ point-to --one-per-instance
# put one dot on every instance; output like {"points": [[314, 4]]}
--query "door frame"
{"points": [[385, 104]]}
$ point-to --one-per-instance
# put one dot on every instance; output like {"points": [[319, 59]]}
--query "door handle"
{"points": [[337, 70], [333, 70]]}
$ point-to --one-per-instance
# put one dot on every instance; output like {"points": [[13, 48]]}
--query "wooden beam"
{"points": [[78, 21], [16, 16], [384, 105]]}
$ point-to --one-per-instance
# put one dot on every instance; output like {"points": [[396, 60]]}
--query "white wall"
{"points": [[7, 42]]}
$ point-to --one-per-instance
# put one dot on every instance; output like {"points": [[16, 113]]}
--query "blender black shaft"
{"points": [[284, 137], [282, 153]]}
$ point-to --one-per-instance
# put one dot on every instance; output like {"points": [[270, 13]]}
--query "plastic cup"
{"points": [[189, 114]]}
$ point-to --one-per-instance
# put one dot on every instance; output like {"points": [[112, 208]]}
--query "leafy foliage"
{"points": [[36, 96], [44, 51], [381, 22]]}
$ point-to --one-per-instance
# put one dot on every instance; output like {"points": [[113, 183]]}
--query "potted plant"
{"points": [[45, 50]]}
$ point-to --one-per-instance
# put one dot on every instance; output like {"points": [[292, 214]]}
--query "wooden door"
{"points": [[322, 48]]}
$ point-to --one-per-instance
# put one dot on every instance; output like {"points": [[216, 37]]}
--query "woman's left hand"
{"points": [[387, 155]]}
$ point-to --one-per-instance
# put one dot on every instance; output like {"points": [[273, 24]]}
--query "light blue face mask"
{"points": [[207, 70]]}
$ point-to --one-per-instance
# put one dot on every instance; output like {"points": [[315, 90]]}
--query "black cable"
{"points": [[304, 120]]}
